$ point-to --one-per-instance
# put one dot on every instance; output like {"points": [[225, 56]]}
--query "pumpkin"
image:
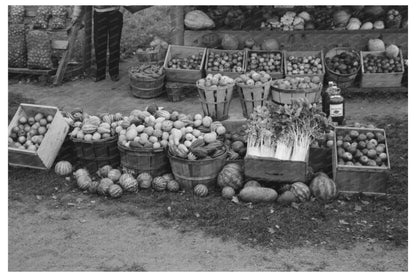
{"points": [[173, 186], [104, 186], [198, 20], [81, 172], [237, 146], [270, 44], [301, 191], [252, 183], [201, 190], [210, 137], [305, 16], [378, 25], [376, 45], [159, 183], [249, 43], [84, 182], [131, 134], [228, 192], [392, 51], [367, 26], [103, 171], [114, 175], [115, 191], [93, 187], [89, 128], [63, 168], [144, 180], [229, 42], [211, 40], [130, 184], [323, 187], [341, 18], [231, 176], [286, 197], [257, 194]]}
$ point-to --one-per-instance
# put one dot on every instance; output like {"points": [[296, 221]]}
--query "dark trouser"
{"points": [[107, 31]]}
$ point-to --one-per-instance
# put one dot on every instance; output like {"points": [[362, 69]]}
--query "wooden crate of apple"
{"points": [[253, 78], [310, 65], [270, 62], [225, 61], [361, 147], [388, 62], [298, 83], [192, 62], [30, 131]]}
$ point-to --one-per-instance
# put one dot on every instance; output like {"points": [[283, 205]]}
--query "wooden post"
{"points": [[176, 19], [87, 40]]}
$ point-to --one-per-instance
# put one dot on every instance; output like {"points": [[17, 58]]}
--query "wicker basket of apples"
{"points": [[342, 65]]}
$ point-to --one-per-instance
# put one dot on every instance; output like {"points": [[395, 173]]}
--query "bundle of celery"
{"points": [[284, 132]]}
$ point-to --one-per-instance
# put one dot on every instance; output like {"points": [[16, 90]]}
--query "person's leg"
{"points": [[100, 43], [116, 25]]}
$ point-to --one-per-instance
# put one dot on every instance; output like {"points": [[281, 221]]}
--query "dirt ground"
{"points": [[44, 236]]}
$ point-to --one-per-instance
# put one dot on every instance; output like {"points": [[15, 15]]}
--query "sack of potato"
{"points": [[38, 50], [40, 21], [16, 14], [17, 46], [59, 16]]}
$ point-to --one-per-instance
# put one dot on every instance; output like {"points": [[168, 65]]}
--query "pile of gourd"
{"points": [[146, 71]]}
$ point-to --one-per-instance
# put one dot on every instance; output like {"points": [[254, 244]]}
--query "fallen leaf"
{"points": [[271, 230], [93, 202], [38, 197], [357, 208], [169, 209], [245, 218], [54, 197], [56, 188], [197, 215], [82, 220], [277, 226], [295, 205], [235, 199], [371, 240], [365, 202], [250, 205], [271, 211], [343, 222], [327, 206], [78, 200], [71, 204]]}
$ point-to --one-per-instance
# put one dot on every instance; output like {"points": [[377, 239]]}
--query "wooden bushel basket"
{"points": [[253, 96], [190, 173], [216, 102], [153, 161], [285, 96], [342, 80], [146, 87], [95, 154]]}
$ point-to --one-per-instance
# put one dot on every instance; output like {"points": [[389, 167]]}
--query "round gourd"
{"points": [[201, 190], [123, 178], [376, 45], [63, 168], [173, 186], [301, 191], [144, 180], [286, 197], [81, 172], [237, 146], [323, 187], [159, 183], [228, 192], [114, 175], [231, 176], [84, 182], [168, 176], [103, 171], [115, 191], [93, 187], [257, 194], [252, 183], [130, 185], [104, 186]]}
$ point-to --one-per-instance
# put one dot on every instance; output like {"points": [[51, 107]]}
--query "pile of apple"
{"points": [[344, 63], [224, 61], [296, 83], [304, 65], [381, 64], [253, 78], [236, 145], [361, 148], [214, 81], [192, 62], [269, 62], [30, 131]]}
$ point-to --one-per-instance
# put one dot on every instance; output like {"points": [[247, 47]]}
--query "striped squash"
{"points": [[81, 172], [93, 187], [84, 182], [231, 176], [114, 175], [168, 176], [115, 191], [144, 180], [159, 183], [63, 168], [104, 186], [201, 190], [173, 186], [130, 185], [301, 191], [323, 187], [103, 171], [123, 178]]}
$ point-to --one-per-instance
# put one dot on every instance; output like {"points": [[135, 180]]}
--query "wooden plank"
{"points": [[32, 71], [177, 25], [209, 95], [220, 107], [67, 55], [87, 40], [59, 44]]}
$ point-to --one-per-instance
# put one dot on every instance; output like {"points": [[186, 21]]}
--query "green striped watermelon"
{"points": [[323, 187]]}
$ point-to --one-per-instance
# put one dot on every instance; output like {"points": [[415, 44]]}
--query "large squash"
{"points": [[231, 176], [229, 42], [257, 194], [376, 45], [301, 191], [323, 187], [198, 20]]}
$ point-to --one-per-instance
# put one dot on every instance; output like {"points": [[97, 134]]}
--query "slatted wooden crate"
{"points": [[355, 179], [225, 73], [317, 54], [274, 170], [48, 150], [183, 75], [373, 80], [275, 75]]}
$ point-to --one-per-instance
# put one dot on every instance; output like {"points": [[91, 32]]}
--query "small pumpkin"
{"points": [[201, 190], [231, 176], [144, 180], [173, 186], [104, 186], [63, 168], [286, 197], [323, 187], [115, 191], [93, 187], [228, 192], [168, 176], [103, 171], [301, 191], [159, 183], [114, 175], [84, 182], [81, 172]]}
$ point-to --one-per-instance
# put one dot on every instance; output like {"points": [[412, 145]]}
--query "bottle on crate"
{"points": [[336, 107]]}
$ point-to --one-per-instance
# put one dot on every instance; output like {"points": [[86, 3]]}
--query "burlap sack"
{"points": [[17, 46], [16, 14], [38, 50]]}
